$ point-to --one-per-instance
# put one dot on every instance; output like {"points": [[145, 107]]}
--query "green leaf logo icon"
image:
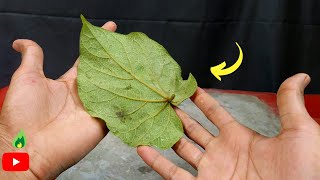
{"points": [[20, 140]]}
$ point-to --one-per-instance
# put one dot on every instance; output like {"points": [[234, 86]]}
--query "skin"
{"points": [[240, 153], [58, 129], [60, 132]]}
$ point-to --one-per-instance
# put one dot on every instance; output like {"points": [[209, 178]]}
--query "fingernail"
{"points": [[306, 78]]}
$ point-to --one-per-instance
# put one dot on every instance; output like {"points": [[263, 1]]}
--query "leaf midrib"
{"points": [[126, 97]]}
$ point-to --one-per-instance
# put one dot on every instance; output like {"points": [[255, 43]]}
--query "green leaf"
{"points": [[130, 81]]}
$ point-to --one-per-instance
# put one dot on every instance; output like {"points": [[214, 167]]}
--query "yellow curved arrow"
{"points": [[218, 70]]}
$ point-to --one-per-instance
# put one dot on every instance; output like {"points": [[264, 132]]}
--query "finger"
{"points": [[72, 73], [32, 56], [161, 165], [110, 26], [290, 100], [194, 130], [212, 110], [188, 151]]}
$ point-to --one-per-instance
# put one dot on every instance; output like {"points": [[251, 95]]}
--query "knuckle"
{"points": [[191, 128], [183, 115], [201, 96], [197, 159], [229, 125], [32, 48], [207, 141], [287, 88], [172, 172], [155, 160], [182, 144], [212, 110], [292, 116]]}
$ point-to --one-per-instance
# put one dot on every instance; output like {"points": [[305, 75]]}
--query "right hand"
{"points": [[240, 153]]}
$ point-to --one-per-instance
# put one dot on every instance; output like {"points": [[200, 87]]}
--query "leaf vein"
{"points": [[126, 97], [164, 96], [141, 106], [144, 120], [151, 76], [118, 77], [129, 62]]}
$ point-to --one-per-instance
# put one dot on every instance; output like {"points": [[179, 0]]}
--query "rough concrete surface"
{"points": [[112, 159]]}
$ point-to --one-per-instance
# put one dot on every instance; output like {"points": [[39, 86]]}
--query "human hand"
{"points": [[240, 153], [58, 129]]}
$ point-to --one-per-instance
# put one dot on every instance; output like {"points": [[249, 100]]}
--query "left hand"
{"points": [[59, 131]]}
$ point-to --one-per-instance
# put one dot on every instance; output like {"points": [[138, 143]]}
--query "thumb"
{"points": [[290, 100], [32, 56]]}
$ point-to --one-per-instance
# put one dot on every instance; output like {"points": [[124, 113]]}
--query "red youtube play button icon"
{"points": [[15, 161]]}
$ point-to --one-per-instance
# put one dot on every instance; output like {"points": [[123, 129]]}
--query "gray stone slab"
{"points": [[112, 159]]}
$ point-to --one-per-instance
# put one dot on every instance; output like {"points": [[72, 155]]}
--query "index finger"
{"points": [[212, 109]]}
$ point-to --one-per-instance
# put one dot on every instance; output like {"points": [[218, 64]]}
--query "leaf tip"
{"points": [[83, 19], [194, 82]]}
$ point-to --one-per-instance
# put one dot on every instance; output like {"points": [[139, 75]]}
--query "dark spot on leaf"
{"points": [[120, 114], [128, 87], [144, 169]]}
